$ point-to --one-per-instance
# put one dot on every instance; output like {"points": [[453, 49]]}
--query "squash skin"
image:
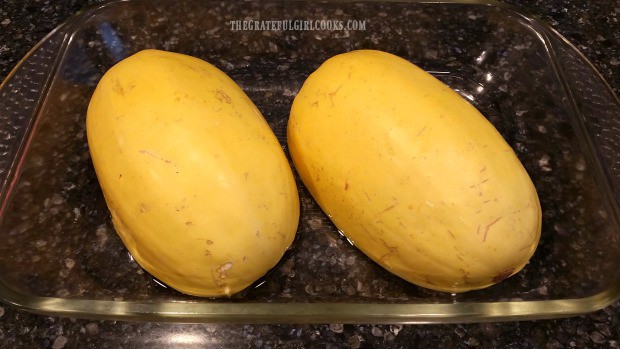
{"points": [[199, 188], [413, 174]]}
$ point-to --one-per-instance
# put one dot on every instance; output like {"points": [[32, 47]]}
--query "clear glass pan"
{"points": [[59, 253]]}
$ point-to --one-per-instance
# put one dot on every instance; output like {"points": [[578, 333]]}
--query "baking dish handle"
{"points": [[597, 108], [21, 95]]}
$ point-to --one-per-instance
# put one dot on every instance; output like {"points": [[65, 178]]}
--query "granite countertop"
{"points": [[592, 26]]}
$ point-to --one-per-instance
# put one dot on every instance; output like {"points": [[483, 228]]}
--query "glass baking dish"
{"points": [[60, 254]]}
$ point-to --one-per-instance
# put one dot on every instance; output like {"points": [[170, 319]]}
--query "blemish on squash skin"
{"points": [[117, 88], [143, 207], [332, 94], [503, 275], [158, 157], [222, 96], [486, 229], [391, 207], [421, 131], [466, 278], [391, 251], [223, 269]]}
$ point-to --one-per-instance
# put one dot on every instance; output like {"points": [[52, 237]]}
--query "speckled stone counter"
{"points": [[591, 26]]}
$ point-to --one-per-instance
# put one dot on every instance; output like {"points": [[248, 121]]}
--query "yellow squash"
{"points": [[199, 188], [412, 173]]}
